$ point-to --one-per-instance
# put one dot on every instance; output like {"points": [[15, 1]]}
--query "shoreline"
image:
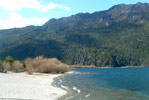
{"points": [[21, 86], [88, 66], [65, 96]]}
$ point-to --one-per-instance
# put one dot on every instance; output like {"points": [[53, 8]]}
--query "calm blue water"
{"points": [[106, 84]]}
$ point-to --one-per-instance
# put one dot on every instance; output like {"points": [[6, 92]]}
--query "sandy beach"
{"points": [[20, 86]]}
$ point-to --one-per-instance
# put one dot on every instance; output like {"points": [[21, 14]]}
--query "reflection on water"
{"points": [[106, 84]]}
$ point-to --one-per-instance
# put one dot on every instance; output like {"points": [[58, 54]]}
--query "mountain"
{"points": [[116, 37]]}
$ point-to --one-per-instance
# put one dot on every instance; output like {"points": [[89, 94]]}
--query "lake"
{"points": [[106, 84]]}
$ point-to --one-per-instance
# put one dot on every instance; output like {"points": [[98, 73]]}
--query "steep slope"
{"points": [[115, 37]]}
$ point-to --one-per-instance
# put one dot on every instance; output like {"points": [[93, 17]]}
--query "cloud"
{"points": [[53, 5], [16, 20], [12, 5], [67, 8]]}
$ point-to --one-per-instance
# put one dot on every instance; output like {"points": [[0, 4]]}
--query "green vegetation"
{"points": [[115, 37], [9, 59]]}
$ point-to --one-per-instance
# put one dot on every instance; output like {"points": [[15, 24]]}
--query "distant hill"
{"points": [[116, 37]]}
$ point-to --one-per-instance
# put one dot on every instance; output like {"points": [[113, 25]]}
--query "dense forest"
{"points": [[116, 37]]}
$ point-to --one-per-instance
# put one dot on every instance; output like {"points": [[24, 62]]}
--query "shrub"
{"points": [[52, 66], [31, 64], [1, 66], [6, 66], [45, 65], [9, 59], [17, 66]]}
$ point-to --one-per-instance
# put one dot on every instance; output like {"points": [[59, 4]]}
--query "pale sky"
{"points": [[21, 13]]}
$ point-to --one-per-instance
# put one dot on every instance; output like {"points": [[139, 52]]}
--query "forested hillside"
{"points": [[116, 37]]}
